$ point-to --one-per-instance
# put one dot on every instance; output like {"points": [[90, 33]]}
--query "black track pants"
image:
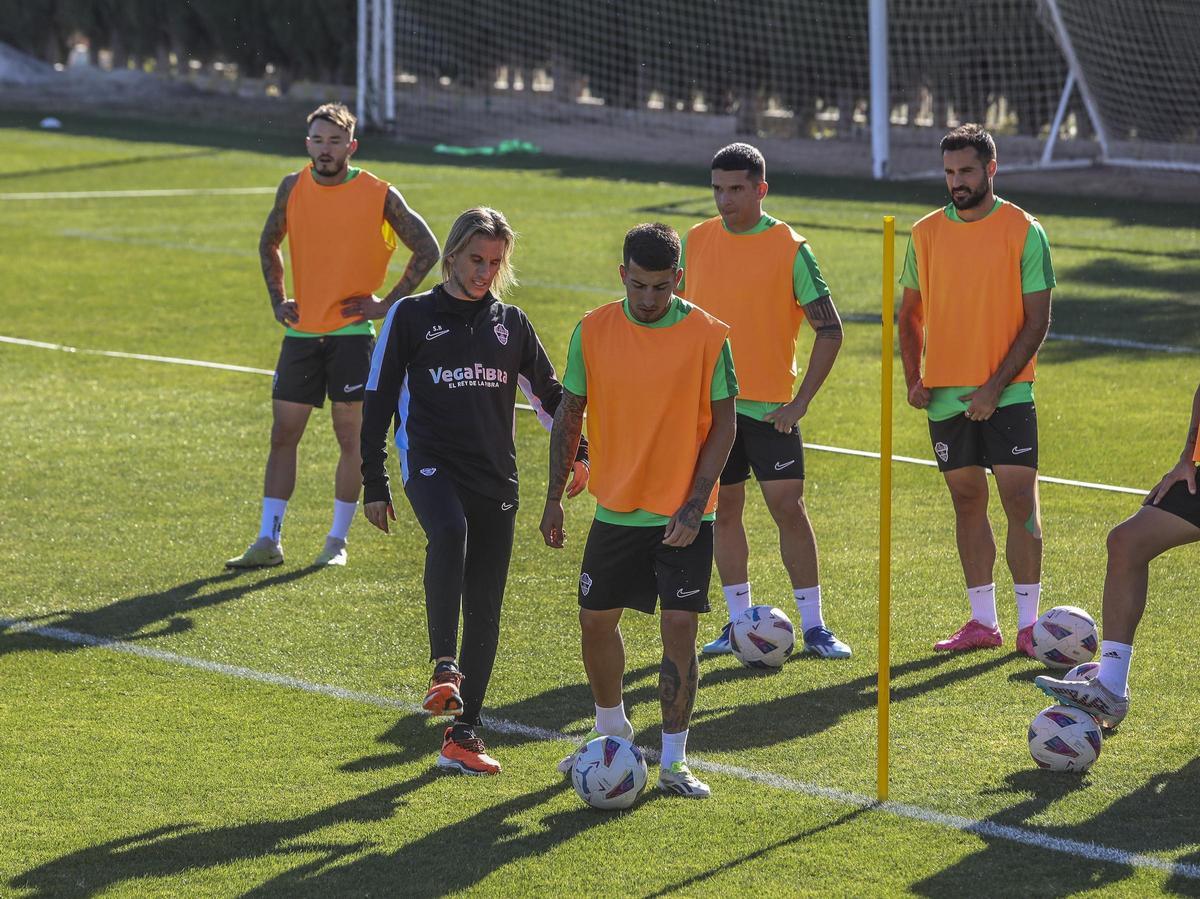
{"points": [[466, 566]]}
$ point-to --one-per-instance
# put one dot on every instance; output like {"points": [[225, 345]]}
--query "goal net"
{"points": [[1058, 81]]}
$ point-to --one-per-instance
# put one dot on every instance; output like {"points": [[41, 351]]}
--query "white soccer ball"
{"points": [[1064, 739], [1065, 636], [762, 637], [1086, 671], [609, 773]]}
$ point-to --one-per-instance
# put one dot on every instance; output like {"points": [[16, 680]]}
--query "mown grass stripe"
{"points": [[987, 829]]}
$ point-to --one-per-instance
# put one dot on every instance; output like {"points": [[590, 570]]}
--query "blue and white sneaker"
{"points": [[821, 641], [719, 646]]}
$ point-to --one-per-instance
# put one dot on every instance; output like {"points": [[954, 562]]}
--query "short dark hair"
{"points": [[741, 158], [970, 135], [653, 246], [336, 114]]}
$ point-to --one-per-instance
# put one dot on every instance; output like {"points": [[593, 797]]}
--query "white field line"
{"points": [[983, 828], [199, 363], [138, 194]]}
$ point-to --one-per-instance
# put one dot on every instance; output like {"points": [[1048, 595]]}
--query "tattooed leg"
{"points": [[679, 675]]}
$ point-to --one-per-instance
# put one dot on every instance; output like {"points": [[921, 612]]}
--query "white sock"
{"points": [[808, 604], [674, 748], [343, 517], [612, 722], [272, 517], [983, 604], [1027, 603], [737, 599], [1114, 666]]}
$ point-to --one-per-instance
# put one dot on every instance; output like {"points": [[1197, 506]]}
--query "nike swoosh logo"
{"points": [[780, 466], [433, 334], [350, 388], [681, 593], [1019, 593], [506, 506], [741, 592], [1018, 450]]}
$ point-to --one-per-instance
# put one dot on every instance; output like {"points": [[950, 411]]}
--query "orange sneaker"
{"points": [[443, 697], [466, 756]]}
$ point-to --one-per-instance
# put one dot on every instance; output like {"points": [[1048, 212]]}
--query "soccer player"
{"points": [[342, 224], [1169, 517], [760, 276], [656, 376], [447, 368], [977, 279]]}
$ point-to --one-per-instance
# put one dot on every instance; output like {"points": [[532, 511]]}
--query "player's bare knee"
{"points": [[285, 436], [678, 630]]}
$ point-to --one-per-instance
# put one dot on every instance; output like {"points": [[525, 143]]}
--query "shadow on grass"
{"points": [[757, 854], [109, 163], [555, 710], [1160, 816], [751, 725], [442, 861], [127, 619]]}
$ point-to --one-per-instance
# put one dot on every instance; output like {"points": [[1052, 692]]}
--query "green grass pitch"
{"points": [[126, 483]]}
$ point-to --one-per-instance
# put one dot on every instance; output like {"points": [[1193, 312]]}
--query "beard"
{"points": [[971, 200]]}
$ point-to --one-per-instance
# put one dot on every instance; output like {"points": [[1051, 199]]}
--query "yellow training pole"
{"points": [[885, 505]]}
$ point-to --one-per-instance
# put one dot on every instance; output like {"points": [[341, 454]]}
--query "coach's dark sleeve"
{"points": [[539, 382], [388, 367]]}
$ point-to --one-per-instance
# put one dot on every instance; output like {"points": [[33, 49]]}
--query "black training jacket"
{"points": [[447, 370]]}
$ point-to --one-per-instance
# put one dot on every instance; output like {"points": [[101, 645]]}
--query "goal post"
{"points": [[856, 87]]}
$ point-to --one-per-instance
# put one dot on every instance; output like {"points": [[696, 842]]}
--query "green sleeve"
{"points": [[682, 265], [724, 379], [575, 377], [908, 275], [807, 283], [1037, 271]]}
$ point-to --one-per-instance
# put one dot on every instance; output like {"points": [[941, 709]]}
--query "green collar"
{"points": [[763, 224], [351, 174], [676, 312], [952, 212]]}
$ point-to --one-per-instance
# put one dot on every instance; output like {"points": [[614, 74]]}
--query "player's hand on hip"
{"points": [[919, 395], [287, 313], [579, 480], [1184, 470], [378, 514], [785, 417], [552, 524], [363, 308]]}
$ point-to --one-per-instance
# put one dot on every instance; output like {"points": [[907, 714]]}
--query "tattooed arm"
{"points": [[271, 256], [564, 443], [414, 233], [685, 523], [823, 317]]}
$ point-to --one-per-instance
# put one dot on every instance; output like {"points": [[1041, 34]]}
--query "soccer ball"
{"points": [[609, 773], [1086, 671], [1064, 739], [762, 637], [1065, 636]]}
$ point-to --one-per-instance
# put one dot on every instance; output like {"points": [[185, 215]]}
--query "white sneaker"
{"points": [[334, 552], [680, 780], [262, 553], [565, 766]]}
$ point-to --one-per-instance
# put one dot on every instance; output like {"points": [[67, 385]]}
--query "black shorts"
{"points": [[1009, 437], [1179, 501], [311, 368], [631, 568], [772, 455]]}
